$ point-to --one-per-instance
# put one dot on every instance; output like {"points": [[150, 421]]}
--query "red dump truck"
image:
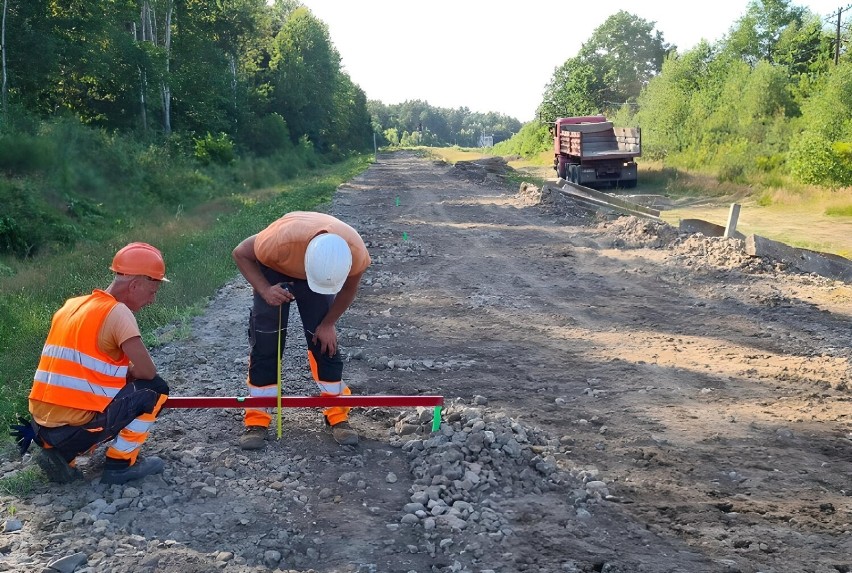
{"points": [[589, 151]]}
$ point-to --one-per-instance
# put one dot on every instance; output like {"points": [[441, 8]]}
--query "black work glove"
{"points": [[24, 434]]}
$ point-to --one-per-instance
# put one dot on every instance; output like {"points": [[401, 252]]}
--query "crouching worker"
{"points": [[96, 381]]}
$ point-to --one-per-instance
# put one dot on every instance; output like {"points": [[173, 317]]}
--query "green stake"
{"points": [[397, 201], [436, 419], [404, 236]]}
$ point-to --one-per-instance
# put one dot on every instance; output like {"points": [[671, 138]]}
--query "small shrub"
{"points": [[731, 171], [765, 199], [84, 210], [843, 151], [733, 160], [533, 138], [769, 163], [20, 153], [307, 153], [27, 223], [215, 149], [814, 159], [267, 135]]}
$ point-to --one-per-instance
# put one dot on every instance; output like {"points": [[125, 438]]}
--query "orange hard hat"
{"points": [[140, 259]]}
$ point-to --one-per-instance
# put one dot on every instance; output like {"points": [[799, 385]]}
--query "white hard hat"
{"points": [[328, 260]]}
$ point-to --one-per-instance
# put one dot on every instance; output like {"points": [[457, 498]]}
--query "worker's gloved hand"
{"points": [[24, 434]]}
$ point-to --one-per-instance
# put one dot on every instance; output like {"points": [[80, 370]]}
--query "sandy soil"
{"points": [[620, 398]]}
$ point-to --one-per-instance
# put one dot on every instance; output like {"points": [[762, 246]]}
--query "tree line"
{"points": [[260, 75], [774, 95], [417, 123]]}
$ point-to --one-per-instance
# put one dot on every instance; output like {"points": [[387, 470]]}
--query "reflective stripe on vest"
{"points": [[73, 371], [72, 383], [84, 360]]}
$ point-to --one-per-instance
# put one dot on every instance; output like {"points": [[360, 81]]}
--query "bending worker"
{"points": [[318, 261], [95, 380]]}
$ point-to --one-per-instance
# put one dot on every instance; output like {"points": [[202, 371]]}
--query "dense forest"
{"points": [[772, 98], [243, 70]]}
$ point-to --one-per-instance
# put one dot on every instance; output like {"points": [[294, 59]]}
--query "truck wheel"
{"points": [[560, 170]]}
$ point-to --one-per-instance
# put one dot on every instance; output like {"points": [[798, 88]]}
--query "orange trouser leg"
{"points": [[258, 416], [130, 438], [335, 414]]}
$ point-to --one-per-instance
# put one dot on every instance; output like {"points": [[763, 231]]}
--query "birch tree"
{"points": [[4, 89], [149, 29]]}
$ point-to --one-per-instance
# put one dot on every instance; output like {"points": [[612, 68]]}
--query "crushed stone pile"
{"points": [[462, 477], [637, 233], [720, 253]]}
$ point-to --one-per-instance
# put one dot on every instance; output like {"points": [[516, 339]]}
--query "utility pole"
{"points": [[839, 13]]}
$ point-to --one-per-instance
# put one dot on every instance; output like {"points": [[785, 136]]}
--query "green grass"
{"points": [[20, 485], [839, 211], [196, 244]]}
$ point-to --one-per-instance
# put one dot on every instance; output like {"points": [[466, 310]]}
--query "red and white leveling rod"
{"points": [[309, 402]]}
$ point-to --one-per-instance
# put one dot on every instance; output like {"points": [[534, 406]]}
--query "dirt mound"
{"points": [[488, 170]]}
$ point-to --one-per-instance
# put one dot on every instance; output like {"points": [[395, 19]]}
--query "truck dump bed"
{"points": [[599, 140]]}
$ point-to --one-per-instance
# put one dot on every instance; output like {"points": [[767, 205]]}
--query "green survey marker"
{"points": [[436, 419], [397, 201], [404, 236]]}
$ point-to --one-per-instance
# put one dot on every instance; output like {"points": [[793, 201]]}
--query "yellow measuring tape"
{"points": [[280, 428]]}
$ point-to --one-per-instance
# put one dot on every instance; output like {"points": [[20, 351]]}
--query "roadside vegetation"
{"points": [[769, 105]]}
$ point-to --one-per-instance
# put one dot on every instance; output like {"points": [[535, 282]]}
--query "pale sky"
{"points": [[497, 55]]}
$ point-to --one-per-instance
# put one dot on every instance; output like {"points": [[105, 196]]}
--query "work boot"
{"points": [[55, 467], [253, 438], [344, 434], [142, 468]]}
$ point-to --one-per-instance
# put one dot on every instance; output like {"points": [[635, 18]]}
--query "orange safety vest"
{"points": [[73, 371]]}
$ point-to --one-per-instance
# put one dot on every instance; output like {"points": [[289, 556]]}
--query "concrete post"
{"points": [[733, 215]]}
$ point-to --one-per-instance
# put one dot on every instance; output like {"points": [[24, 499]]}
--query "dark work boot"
{"points": [[254, 438], [55, 467], [344, 434], [142, 468]]}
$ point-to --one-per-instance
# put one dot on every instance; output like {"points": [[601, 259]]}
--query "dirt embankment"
{"points": [[620, 398]]}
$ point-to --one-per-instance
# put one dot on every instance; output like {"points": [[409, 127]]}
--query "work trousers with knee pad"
{"points": [[127, 419], [327, 371]]}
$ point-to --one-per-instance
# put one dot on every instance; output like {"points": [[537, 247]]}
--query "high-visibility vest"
{"points": [[73, 371]]}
